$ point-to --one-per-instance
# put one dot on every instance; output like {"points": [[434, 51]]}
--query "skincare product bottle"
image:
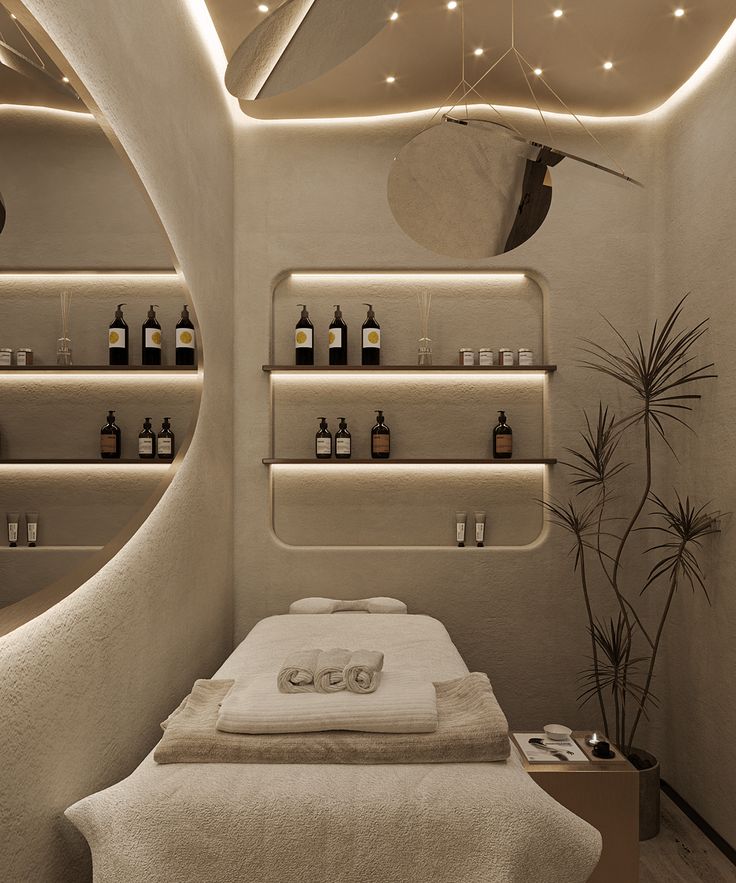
{"points": [[460, 521], [147, 441], [371, 339], [110, 439], [480, 529], [343, 441], [118, 342], [185, 339], [380, 439], [165, 441], [323, 441], [151, 339], [13, 519], [32, 528], [338, 339], [503, 440], [304, 339]]}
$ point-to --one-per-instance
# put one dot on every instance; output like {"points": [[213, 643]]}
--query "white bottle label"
{"points": [[153, 338], [12, 532], [32, 530], [335, 338], [324, 446], [342, 445], [145, 446], [506, 358], [164, 446], [480, 529], [461, 531], [185, 338], [303, 338], [116, 338], [372, 338]]}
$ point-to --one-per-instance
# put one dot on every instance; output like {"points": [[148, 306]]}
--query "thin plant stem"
{"points": [[586, 596]]}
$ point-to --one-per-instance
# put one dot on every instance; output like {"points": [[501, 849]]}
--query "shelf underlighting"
{"points": [[89, 275], [425, 276], [422, 463]]}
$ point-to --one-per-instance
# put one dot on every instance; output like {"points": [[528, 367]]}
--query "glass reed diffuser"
{"points": [[424, 356], [64, 343]]}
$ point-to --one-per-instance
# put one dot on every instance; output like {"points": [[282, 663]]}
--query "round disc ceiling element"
{"points": [[470, 190], [306, 38]]}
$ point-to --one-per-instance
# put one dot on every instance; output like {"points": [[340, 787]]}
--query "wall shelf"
{"points": [[543, 461], [433, 369], [37, 549], [99, 462], [113, 369]]}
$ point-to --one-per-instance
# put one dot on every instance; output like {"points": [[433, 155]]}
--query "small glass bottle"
{"points": [[110, 439], [503, 439], [118, 342], [165, 448], [304, 339], [338, 339], [343, 441], [380, 439], [151, 339], [185, 339], [323, 441], [147, 441], [371, 339]]}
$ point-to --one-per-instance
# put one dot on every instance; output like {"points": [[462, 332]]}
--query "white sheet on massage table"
{"points": [[283, 823]]}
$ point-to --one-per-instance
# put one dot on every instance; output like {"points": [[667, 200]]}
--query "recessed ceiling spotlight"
{"points": [[478, 51], [607, 65], [452, 4], [391, 79], [393, 16], [14, 17], [538, 71], [679, 12], [262, 7], [65, 79], [558, 13]]}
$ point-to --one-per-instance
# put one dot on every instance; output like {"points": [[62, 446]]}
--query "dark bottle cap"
{"points": [[305, 313], [147, 423], [110, 416], [166, 424], [338, 312], [152, 312], [119, 311], [501, 416], [185, 312], [343, 423], [323, 423], [379, 417], [371, 314]]}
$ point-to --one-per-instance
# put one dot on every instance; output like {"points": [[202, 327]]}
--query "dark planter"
{"points": [[648, 767]]}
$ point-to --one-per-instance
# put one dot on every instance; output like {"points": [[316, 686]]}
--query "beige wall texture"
{"points": [[84, 686]]}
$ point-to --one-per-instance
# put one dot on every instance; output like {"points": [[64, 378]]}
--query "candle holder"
{"points": [[593, 740]]}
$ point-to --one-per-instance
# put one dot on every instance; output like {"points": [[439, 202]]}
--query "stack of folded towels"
{"points": [[330, 671]]}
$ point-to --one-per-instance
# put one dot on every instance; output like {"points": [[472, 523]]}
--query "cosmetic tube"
{"points": [[13, 519], [32, 527], [460, 518], [480, 528]]}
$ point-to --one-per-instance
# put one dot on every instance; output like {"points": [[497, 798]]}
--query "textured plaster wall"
{"points": [[84, 686]]}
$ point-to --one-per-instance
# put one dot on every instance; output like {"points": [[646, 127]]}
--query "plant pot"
{"points": [[648, 767]]}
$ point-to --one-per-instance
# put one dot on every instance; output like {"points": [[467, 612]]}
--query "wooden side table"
{"points": [[606, 794]]}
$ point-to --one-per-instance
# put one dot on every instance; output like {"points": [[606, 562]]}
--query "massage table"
{"points": [[333, 823]]}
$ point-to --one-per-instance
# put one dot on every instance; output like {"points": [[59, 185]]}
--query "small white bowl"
{"points": [[557, 732]]}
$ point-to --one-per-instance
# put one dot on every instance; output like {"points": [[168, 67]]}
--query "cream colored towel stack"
{"points": [[329, 674], [363, 671], [297, 672], [330, 671]]}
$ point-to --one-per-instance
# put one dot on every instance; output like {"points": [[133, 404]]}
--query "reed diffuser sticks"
{"points": [[424, 300]]}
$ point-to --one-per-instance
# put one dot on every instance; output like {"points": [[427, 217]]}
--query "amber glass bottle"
{"points": [[380, 439], [503, 439], [110, 439]]}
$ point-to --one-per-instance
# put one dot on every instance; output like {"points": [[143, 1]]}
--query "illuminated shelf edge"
{"points": [[112, 369], [542, 461], [458, 369], [100, 462]]}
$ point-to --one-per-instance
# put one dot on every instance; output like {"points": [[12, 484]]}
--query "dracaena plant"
{"points": [[661, 374]]}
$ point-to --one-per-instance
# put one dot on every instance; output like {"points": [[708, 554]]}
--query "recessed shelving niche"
{"points": [[440, 417]]}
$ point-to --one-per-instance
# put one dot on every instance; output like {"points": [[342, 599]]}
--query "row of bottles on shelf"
{"points": [[150, 444], [13, 519], [118, 340], [502, 440], [337, 339]]}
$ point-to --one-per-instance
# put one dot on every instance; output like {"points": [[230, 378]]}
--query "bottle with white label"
{"points": [[343, 441], [304, 339], [151, 339], [165, 441], [371, 333], [185, 339], [338, 339], [323, 441], [503, 439], [118, 343], [147, 441], [380, 439]]}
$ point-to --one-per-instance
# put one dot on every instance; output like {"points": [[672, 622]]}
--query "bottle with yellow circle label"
{"points": [[185, 340], [117, 339], [151, 339], [338, 339], [304, 339], [371, 339]]}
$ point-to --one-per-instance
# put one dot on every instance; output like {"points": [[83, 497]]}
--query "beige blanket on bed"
{"points": [[471, 728]]}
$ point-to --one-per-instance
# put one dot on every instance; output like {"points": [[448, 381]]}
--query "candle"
{"points": [[593, 740]]}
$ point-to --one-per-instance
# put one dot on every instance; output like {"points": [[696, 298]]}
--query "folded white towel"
{"points": [[406, 703], [363, 671], [297, 672], [329, 673]]}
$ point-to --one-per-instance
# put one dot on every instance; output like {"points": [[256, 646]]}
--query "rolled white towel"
{"points": [[297, 672], [329, 674], [363, 671]]}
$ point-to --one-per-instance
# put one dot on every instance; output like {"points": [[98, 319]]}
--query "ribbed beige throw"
{"points": [[329, 674], [363, 671], [471, 728], [297, 672]]}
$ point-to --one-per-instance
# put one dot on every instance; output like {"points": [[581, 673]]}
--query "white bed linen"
{"points": [[266, 823]]}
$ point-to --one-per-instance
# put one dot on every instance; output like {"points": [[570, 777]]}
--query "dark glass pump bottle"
{"points": [[503, 439], [323, 441], [151, 339], [371, 342], [110, 439], [380, 439], [185, 339], [343, 441], [338, 339], [118, 341], [304, 339], [147, 441], [165, 441]]}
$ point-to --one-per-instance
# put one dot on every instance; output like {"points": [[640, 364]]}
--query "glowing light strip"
{"points": [[403, 377], [90, 275], [50, 110], [127, 377], [510, 468], [98, 466], [396, 275]]}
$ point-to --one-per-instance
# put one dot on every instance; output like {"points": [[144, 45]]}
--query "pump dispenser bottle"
{"points": [[118, 342], [147, 441], [110, 439], [371, 339], [503, 439], [343, 441], [380, 439], [323, 441], [304, 339], [338, 339], [185, 339], [151, 339], [165, 441]]}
